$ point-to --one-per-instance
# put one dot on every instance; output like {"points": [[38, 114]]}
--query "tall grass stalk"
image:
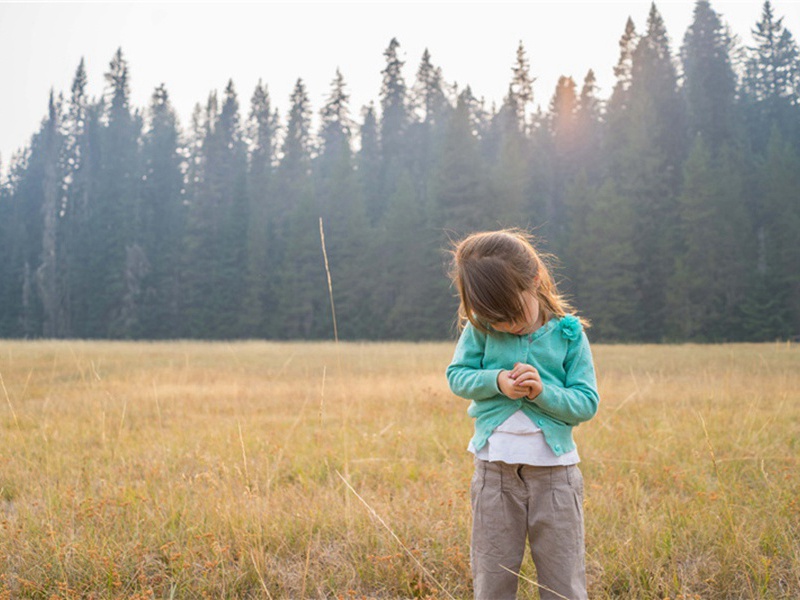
{"points": [[8, 400], [380, 520]]}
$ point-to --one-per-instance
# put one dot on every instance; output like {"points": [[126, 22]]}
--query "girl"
{"points": [[525, 363]]}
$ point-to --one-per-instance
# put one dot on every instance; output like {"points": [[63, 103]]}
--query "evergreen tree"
{"points": [[623, 70], [509, 146], [13, 236], [217, 226], [709, 82], [710, 282], [600, 259], [772, 79], [341, 206], [648, 169], [80, 171], [261, 294], [428, 98], [395, 120], [114, 266], [33, 171], [459, 180], [161, 225], [48, 273], [368, 164], [424, 134], [412, 294], [510, 169], [295, 160], [301, 280], [563, 119], [588, 125], [336, 126], [521, 89], [772, 311]]}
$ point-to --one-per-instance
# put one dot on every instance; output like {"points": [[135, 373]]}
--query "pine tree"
{"points": [[623, 70], [80, 170], [588, 125], [521, 89], [412, 289], [600, 260], [341, 206], [647, 168], [714, 265], [459, 179], [431, 111], [217, 226], [368, 164], [428, 97], [394, 124], [509, 146], [115, 260], [162, 220], [295, 162], [709, 80], [773, 308], [510, 169], [48, 278], [772, 79], [336, 125], [301, 299], [261, 294], [32, 174], [563, 122]]}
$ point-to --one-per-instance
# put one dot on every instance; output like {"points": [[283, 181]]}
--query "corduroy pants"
{"points": [[543, 504]]}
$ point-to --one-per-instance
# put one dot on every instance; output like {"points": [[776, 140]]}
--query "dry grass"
{"points": [[225, 470]]}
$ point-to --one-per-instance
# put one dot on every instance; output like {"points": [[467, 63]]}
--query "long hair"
{"points": [[492, 269]]}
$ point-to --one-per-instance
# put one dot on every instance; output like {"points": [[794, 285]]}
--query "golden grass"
{"points": [[159, 470]]}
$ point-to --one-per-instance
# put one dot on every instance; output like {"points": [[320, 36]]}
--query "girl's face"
{"points": [[530, 321]]}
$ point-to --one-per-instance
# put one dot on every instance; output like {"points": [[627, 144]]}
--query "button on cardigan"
{"points": [[559, 350]]}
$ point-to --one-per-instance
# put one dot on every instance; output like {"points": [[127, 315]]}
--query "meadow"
{"points": [[317, 470]]}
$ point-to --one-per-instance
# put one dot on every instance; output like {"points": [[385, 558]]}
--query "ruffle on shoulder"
{"points": [[570, 327]]}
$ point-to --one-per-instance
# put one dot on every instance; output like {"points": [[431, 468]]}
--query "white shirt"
{"points": [[518, 441]]}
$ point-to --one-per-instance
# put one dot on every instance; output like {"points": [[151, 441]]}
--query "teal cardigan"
{"points": [[560, 352]]}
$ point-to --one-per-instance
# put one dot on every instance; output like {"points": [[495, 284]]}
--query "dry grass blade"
{"points": [[538, 585], [8, 399], [394, 535], [260, 576], [244, 456], [330, 283]]}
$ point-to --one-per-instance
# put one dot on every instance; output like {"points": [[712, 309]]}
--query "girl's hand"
{"points": [[509, 388], [526, 378]]}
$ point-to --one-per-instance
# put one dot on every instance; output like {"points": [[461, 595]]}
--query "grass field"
{"points": [[307, 470]]}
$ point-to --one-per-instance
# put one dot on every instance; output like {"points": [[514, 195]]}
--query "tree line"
{"points": [[673, 204]]}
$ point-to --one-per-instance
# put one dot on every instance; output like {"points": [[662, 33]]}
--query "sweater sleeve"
{"points": [[578, 399], [465, 375]]}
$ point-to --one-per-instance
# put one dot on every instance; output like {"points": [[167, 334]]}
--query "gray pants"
{"points": [[544, 504]]}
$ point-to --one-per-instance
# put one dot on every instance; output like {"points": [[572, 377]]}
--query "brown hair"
{"points": [[491, 270]]}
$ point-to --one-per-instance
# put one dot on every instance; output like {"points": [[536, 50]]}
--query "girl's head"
{"points": [[503, 283]]}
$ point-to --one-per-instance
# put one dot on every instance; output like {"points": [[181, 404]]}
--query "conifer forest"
{"points": [[673, 204]]}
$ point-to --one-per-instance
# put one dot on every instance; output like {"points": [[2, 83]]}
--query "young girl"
{"points": [[525, 363]]}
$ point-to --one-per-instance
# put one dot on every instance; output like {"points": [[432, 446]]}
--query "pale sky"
{"points": [[196, 47]]}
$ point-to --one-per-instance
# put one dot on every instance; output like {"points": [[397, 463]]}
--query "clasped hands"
{"points": [[523, 381]]}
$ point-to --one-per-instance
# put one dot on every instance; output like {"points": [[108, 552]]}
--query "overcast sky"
{"points": [[196, 47]]}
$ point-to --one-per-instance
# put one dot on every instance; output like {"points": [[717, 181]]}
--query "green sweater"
{"points": [[560, 352]]}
